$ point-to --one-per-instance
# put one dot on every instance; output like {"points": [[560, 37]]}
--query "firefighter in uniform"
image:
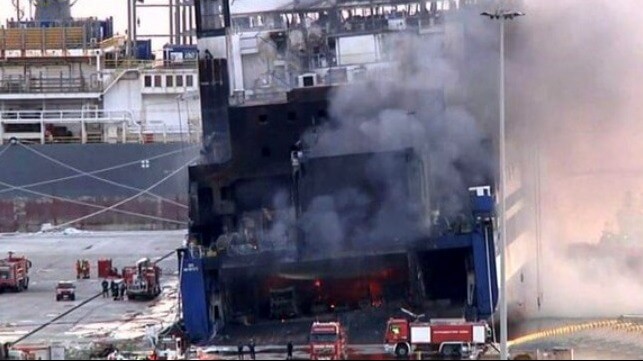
{"points": [[105, 286], [122, 291], [114, 288]]}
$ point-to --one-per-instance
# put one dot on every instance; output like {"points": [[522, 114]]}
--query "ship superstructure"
{"points": [[72, 102]]}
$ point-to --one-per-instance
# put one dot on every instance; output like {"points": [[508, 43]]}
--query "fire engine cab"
{"points": [[14, 273], [143, 280], [446, 337], [327, 341]]}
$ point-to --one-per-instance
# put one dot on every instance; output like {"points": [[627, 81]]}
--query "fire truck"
{"points": [[14, 273], [143, 280], [446, 337], [327, 341]]}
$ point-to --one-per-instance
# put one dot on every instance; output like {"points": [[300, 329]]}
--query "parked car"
{"points": [[65, 290]]}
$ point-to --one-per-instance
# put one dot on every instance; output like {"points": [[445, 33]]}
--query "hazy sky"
{"points": [[153, 20]]}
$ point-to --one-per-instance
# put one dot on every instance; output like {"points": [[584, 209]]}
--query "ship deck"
{"points": [[288, 258]]}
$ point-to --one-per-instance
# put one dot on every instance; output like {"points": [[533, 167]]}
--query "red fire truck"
{"points": [[14, 273], [143, 280], [447, 337], [327, 341]]}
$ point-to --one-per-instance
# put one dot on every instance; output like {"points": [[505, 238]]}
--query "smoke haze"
{"points": [[574, 83]]}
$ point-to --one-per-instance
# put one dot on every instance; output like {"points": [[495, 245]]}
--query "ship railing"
{"points": [[66, 116], [13, 84], [151, 64], [65, 126], [157, 132], [79, 126]]}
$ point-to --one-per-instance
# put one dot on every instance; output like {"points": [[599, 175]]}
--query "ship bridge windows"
{"points": [[175, 82]]}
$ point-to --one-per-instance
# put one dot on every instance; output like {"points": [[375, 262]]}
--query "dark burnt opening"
{"points": [[316, 288], [444, 276]]}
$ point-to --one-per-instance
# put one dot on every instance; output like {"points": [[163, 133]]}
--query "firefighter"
{"points": [[105, 286], [289, 348], [122, 291], [86, 269], [240, 351], [78, 269], [251, 346], [114, 288]]}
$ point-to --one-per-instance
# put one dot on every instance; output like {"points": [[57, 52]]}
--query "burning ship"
{"points": [[326, 180], [94, 132]]}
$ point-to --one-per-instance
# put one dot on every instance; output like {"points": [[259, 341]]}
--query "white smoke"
{"points": [[574, 82]]}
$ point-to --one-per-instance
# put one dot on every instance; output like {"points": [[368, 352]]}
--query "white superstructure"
{"points": [[79, 91]]}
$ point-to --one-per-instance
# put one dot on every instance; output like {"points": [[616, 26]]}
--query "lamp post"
{"points": [[502, 15]]}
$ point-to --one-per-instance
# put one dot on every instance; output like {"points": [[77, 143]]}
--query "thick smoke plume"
{"points": [[420, 102], [574, 84]]}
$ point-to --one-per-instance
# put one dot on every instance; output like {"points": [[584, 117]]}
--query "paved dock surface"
{"points": [[623, 340], [54, 255]]}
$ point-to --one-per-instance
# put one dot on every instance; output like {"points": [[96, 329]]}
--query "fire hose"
{"points": [[35, 330], [617, 324]]}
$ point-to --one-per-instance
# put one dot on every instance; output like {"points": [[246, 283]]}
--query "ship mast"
{"points": [[20, 13]]}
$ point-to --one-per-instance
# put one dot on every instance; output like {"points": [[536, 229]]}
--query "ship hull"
{"points": [[60, 183]]}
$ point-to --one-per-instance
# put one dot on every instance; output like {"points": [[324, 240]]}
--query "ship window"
{"points": [[189, 81], [157, 81], [309, 81], [169, 81], [148, 81], [263, 118], [292, 116], [211, 15], [265, 152], [179, 80], [322, 114]]}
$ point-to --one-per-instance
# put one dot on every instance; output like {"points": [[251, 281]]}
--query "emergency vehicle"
{"points": [[446, 337], [143, 280], [14, 273], [65, 290], [327, 341]]}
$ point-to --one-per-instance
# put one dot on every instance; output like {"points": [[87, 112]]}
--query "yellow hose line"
{"points": [[569, 329]]}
